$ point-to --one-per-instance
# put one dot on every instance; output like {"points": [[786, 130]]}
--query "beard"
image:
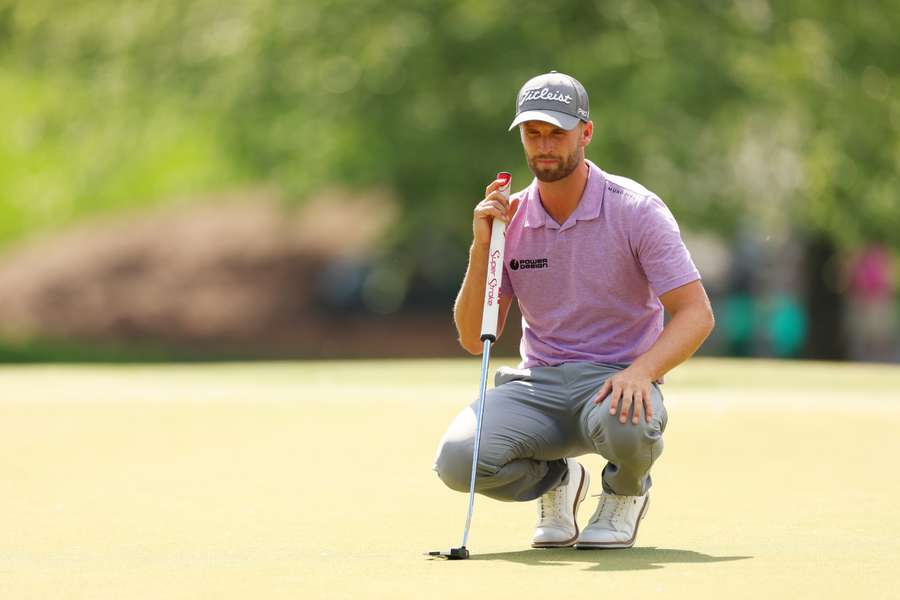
{"points": [[564, 167]]}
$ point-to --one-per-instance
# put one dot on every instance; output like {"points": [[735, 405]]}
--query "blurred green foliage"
{"points": [[786, 114]]}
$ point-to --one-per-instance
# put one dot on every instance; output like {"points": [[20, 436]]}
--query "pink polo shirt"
{"points": [[589, 289]]}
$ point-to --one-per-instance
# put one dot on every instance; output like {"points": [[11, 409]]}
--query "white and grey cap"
{"points": [[554, 98]]}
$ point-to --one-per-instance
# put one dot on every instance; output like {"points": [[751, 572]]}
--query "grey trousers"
{"points": [[533, 419]]}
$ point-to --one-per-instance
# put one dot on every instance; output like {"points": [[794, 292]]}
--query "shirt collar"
{"points": [[588, 206]]}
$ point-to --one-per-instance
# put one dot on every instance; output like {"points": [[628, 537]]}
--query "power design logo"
{"points": [[528, 263]]}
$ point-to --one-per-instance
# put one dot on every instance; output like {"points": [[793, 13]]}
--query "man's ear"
{"points": [[587, 132]]}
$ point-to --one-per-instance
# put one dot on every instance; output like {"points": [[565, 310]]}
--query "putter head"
{"points": [[455, 553]]}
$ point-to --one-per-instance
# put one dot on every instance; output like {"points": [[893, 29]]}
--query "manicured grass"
{"points": [[313, 480]]}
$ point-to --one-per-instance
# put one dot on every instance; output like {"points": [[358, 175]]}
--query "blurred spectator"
{"points": [[873, 317], [738, 316], [786, 326]]}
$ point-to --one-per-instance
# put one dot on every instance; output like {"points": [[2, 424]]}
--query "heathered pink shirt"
{"points": [[589, 289]]}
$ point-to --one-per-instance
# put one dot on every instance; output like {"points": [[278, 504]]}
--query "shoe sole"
{"points": [[613, 545], [580, 495]]}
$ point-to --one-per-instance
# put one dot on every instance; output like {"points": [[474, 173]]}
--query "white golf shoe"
{"points": [[557, 525], [615, 522]]}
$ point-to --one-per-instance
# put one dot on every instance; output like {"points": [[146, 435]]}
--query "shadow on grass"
{"points": [[631, 559]]}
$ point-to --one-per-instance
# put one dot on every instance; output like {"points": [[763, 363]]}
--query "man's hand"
{"points": [[494, 206], [627, 387]]}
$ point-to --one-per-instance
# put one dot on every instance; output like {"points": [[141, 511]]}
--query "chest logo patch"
{"points": [[528, 263]]}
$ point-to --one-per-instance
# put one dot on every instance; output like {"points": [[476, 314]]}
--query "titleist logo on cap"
{"points": [[554, 98], [544, 94]]}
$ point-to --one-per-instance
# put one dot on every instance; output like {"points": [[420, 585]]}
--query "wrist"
{"points": [[642, 369]]}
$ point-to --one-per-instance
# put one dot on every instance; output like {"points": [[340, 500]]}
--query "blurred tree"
{"points": [[784, 114]]}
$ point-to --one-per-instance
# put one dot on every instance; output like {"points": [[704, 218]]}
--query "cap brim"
{"points": [[547, 116]]}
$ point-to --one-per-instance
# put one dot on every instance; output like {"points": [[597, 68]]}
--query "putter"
{"points": [[488, 336]]}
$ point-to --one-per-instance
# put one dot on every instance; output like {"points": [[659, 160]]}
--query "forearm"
{"points": [[467, 311], [680, 338]]}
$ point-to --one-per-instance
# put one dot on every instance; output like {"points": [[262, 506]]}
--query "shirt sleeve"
{"points": [[660, 250]]}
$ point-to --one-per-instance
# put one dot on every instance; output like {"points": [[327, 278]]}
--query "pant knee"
{"points": [[453, 465], [623, 440]]}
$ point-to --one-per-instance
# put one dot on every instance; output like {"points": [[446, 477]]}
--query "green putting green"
{"points": [[313, 480]]}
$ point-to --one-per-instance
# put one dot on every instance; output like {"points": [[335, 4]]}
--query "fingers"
{"points": [[493, 187], [625, 405], [491, 192], [498, 197], [495, 205], [638, 405], [614, 396], [622, 396], [491, 208], [623, 393], [643, 399]]}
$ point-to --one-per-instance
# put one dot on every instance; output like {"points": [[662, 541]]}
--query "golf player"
{"points": [[593, 259]]}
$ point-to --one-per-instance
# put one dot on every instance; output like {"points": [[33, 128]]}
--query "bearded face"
{"points": [[552, 153], [549, 168]]}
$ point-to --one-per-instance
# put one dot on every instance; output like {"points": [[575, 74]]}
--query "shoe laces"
{"points": [[551, 503], [610, 509]]}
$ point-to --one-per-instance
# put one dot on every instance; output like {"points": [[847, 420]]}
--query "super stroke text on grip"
{"points": [[492, 284]]}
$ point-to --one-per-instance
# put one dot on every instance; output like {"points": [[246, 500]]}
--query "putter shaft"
{"points": [[485, 361]]}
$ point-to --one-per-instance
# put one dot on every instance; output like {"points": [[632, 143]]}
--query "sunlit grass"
{"points": [[313, 480]]}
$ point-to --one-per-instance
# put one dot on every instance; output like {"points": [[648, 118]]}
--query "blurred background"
{"points": [[198, 180]]}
